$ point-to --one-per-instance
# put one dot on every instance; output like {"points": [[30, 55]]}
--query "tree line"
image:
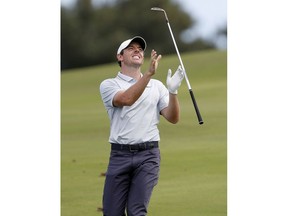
{"points": [[91, 35]]}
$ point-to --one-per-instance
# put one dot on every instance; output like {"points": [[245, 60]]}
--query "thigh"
{"points": [[145, 177], [117, 183]]}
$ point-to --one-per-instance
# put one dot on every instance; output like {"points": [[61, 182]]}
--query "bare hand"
{"points": [[154, 62]]}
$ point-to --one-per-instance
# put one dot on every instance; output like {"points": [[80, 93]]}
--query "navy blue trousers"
{"points": [[130, 179]]}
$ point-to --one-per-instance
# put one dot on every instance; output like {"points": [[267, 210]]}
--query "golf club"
{"points": [[181, 63]]}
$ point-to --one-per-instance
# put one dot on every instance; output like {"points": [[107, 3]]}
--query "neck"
{"points": [[133, 72]]}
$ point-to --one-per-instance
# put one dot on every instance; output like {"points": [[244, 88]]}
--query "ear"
{"points": [[119, 57]]}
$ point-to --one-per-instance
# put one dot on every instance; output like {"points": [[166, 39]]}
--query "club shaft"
{"points": [[200, 120], [179, 57]]}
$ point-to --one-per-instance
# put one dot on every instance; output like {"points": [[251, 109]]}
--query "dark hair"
{"points": [[119, 62]]}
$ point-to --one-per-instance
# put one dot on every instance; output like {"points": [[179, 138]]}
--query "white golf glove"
{"points": [[174, 82]]}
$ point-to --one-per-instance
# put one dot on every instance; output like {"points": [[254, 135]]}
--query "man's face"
{"points": [[133, 55]]}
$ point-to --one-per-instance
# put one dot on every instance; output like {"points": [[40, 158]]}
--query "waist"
{"points": [[135, 147]]}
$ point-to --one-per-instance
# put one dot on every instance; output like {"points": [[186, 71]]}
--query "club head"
{"points": [[162, 10], [157, 9]]}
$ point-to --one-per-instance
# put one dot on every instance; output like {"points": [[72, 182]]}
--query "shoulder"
{"points": [[157, 83], [108, 86], [108, 83]]}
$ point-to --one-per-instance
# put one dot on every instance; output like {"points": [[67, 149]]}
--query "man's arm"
{"points": [[131, 95], [172, 112]]}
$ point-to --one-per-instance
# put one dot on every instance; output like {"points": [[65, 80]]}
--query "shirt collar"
{"points": [[128, 78], [124, 77]]}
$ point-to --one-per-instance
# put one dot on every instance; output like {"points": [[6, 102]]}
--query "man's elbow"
{"points": [[123, 101], [174, 120]]}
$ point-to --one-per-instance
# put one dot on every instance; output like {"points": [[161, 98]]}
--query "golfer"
{"points": [[134, 102]]}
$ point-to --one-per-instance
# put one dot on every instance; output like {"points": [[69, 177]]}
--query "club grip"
{"points": [[196, 107]]}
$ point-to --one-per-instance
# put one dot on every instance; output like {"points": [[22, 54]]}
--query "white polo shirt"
{"points": [[136, 123]]}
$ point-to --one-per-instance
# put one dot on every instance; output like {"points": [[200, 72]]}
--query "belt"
{"points": [[134, 147]]}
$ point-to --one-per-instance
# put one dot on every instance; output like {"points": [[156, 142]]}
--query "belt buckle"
{"points": [[135, 149]]}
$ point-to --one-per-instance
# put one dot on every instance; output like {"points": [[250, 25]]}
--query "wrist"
{"points": [[175, 92], [149, 73]]}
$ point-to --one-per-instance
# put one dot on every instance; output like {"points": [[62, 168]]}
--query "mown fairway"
{"points": [[193, 178]]}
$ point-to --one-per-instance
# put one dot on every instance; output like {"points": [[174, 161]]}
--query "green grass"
{"points": [[193, 175]]}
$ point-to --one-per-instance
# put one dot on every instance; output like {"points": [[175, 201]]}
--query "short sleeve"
{"points": [[108, 89]]}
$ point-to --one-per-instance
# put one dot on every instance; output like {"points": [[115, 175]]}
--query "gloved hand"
{"points": [[174, 82]]}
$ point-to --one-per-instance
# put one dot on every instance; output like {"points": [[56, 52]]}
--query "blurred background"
{"points": [[91, 30]]}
